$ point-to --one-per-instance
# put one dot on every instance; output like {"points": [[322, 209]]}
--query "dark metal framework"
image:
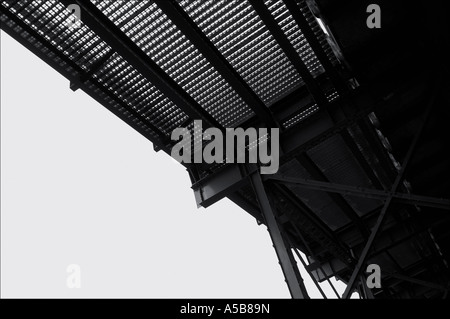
{"points": [[381, 218], [263, 64]]}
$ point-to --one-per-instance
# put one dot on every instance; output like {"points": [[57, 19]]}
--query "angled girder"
{"points": [[287, 262], [409, 199]]}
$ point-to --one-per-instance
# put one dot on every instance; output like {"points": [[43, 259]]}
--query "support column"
{"points": [[286, 259]]}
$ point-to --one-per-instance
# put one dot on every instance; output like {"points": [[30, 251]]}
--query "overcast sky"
{"points": [[79, 186]]}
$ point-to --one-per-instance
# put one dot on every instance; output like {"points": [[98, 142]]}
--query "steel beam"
{"points": [[288, 49], [361, 107], [93, 18], [398, 179], [416, 281], [293, 278], [75, 85], [403, 198], [188, 27], [305, 28], [292, 142]]}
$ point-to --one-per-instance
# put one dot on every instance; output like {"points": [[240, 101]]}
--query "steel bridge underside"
{"points": [[364, 174]]}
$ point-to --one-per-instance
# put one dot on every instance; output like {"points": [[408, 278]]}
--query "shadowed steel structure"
{"points": [[364, 174]]}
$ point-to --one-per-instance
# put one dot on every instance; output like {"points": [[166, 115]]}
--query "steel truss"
{"points": [[357, 280], [333, 118]]}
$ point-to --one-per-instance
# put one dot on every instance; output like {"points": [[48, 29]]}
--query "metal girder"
{"points": [[410, 199], [290, 270], [188, 27], [382, 215], [361, 107], [288, 49], [92, 17], [143, 126], [304, 26], [415, 281], [293, 141]]}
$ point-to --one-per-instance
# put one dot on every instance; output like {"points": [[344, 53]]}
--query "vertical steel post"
{"points": [[286, 259]]}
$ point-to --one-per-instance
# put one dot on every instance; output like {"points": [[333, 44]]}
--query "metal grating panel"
{"points": [[130, 86], [238, 33], [160, 39], [281, 14], [49, 19]]}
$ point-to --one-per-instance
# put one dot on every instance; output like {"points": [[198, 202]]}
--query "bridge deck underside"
{"points": [[348, 107]]}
